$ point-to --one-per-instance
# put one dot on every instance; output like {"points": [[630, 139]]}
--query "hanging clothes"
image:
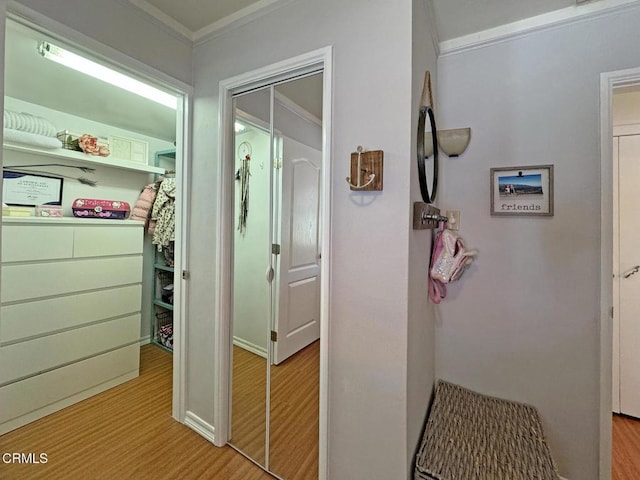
{"points": [[142, 209], [163, 213]]}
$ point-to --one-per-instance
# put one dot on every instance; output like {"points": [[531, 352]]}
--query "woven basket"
{"points": [[470, 436]]}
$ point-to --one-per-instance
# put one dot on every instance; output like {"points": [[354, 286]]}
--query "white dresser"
{"points": [[70, 301]]}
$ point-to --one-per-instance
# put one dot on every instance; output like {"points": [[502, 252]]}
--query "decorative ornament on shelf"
{"points": [[89, 145], [86, 143]]}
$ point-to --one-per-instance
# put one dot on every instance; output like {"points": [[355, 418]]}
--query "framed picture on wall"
{"points": [[522, 191], [29, 190]]}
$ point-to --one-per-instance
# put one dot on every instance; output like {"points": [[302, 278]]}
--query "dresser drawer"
{"points": [[28, 358], [23, 320], [31, 397], [30, 281], [31, 243], [104, 241]]}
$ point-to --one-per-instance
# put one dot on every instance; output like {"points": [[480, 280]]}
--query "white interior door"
{"points": [[297, 321], [629, 274]]}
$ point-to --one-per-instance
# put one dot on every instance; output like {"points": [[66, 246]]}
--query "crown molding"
{"points": [[297, 110], [163, 19], [237, 19], [530, 25]]}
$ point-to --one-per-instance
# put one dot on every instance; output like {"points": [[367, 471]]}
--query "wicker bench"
{"points": [[470, 436]]}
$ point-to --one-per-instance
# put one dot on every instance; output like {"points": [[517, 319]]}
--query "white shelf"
{"points": [[72, 221], [80, 157]]}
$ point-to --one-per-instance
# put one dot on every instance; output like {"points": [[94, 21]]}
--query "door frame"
{"points": [[184, 93], [608, 82], [321, 60]]}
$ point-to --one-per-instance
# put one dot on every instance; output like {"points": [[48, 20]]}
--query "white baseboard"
{"points": [[145, 340], [251, 347], [201, 427]]}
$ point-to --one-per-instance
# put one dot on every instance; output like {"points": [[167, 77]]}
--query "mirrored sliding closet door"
{"points": [[276, 276]]}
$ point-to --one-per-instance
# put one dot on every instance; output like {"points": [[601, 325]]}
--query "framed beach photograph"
{"points": [[522, 191]]}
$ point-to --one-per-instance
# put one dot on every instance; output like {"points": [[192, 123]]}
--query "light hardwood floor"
{"points": [[249, 407], [293, 427], [626, 448], [125, 433], [128, 433]]}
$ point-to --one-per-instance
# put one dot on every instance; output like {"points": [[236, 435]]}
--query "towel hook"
{"points": [[372, 176]]}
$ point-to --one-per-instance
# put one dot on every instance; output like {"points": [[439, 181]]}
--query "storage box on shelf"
{"points": [[129, 149], [14, 211], [162, 321]]}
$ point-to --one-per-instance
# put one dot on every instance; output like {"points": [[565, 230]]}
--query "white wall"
{"points": [[421, 326], [295, 126], [369, 231], [524, 321], [252, 301]]}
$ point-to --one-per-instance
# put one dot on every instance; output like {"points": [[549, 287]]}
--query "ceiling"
{"points": [[72, 92], [75, 93], [454, 18]]}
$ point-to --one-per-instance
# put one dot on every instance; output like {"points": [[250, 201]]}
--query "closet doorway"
{"points": [[79, 277], [276, 277], [626, 258], [274, 356], [619, 123]]}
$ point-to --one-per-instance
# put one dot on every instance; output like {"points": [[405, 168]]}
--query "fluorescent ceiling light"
{"points": [[93, 69]]}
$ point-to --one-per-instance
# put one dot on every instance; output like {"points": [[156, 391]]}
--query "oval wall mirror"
{"points": [[428, 195]]}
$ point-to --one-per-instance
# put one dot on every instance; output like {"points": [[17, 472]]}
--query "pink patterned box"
{"points": [[93, 208]]}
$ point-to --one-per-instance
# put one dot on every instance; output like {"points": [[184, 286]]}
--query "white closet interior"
{"points": [[77, 296]]}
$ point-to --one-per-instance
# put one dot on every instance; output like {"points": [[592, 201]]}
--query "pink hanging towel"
{"points": [[449, 260]]}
